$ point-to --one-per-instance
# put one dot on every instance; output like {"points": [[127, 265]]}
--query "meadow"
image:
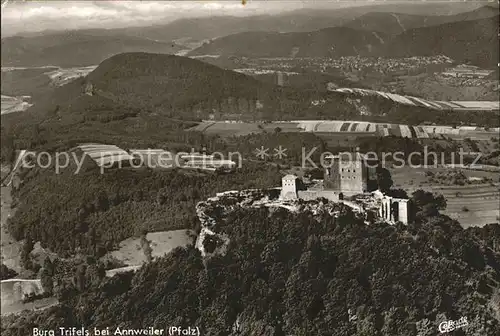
{"points": [[131, 253], [474, 204]]}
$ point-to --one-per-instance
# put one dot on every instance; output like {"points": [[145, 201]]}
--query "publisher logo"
{"points": [[447, 326]]}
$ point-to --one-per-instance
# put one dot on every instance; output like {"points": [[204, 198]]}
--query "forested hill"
{"points": [[393, 23], [168, 82], [186, 88], [328, 42], [299, 274], [74, 48], [473, 41]]}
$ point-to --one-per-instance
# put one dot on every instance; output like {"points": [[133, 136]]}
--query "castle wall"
{"points": [[403, 212], [310, 195], [394, 210]]}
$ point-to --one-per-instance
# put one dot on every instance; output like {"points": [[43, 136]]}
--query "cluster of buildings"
{"points": [[350, 176], [467, 71], [346, 64], [406, 65]]}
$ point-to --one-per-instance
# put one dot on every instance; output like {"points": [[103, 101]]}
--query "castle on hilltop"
{"points": [[346, 174], [349, 175]]}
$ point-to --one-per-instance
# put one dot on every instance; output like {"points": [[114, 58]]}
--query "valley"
{"points": [[23, 86], [14, 104]]}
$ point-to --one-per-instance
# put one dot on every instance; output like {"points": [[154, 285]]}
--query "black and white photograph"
{"points": [[250, 168]]}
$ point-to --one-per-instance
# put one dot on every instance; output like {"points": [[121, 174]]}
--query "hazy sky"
{"points": [[32, 15], [18, 16]]}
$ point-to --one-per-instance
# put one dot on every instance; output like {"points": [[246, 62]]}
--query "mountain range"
{"points": [[468, 41], [328, 42], [475, 41], [90, 46], [305, 19], [393, 23], [74, 48]]}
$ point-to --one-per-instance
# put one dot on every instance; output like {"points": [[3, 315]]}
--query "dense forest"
{"points": [[300, 274], [91, 212]]}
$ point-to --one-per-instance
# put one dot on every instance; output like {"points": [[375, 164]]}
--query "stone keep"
{"points": [[350, 173], [289, 187]]}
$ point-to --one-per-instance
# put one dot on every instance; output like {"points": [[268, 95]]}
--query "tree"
{"points": [[47, 282], [6, 273], [48, 265], [102, 201], [79, 280], [146, 247], [397, 193], [427, 204], [384, 179], [160, 198], [26, 253], [317, 173]]}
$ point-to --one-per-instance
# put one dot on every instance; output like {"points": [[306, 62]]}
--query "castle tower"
{"points": [[350, 173], [289, 187]]}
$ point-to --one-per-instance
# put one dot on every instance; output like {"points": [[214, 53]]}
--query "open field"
{"points": [[63, 76], [457, 105], [13, 291], [131, 253], [14, 104], [112, 272], [18, 307], [227, 129], [471, 204], [437, 87], [346, 128]]}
